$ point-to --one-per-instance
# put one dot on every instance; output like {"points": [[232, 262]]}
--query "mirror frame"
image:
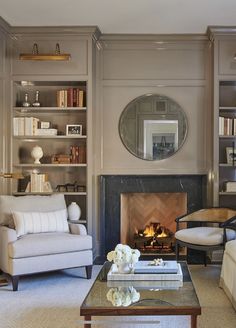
{"points": [[145, 96]]}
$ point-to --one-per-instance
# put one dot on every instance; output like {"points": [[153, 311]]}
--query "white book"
{"points": [[21, 126], [234, 126], [15, 126], [28, 126]]}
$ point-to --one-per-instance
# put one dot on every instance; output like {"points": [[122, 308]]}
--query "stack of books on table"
{"points": [[144, 270]]}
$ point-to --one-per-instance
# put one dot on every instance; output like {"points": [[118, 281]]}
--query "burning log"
{"points": [[155, 237]]}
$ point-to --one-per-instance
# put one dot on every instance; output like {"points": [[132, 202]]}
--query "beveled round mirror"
{"points": [[153, 127]]}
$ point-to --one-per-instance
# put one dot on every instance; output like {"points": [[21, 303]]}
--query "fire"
{"points": [[155, 229]]}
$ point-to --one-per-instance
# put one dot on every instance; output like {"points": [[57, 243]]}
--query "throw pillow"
{"points": [[36, 222]]}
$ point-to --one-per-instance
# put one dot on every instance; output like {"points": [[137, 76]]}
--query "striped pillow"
{"points": [[36, 222]]}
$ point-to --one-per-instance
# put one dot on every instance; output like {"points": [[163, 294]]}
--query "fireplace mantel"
{"points": [[111, 187]]}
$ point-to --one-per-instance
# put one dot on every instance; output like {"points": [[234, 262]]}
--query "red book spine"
{"points": [[70, 97], [74, 97]]}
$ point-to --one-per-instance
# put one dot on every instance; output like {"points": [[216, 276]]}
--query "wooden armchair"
{"points": [[215, 228]]}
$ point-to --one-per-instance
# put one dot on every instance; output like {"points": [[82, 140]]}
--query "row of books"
{"points": [[38, 183], [77, 156], [72, 97], [227, 126], [31, 126]]}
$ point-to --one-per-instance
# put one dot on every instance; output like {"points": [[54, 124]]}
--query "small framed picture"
{"points": [[230, 155], [74, 130]]}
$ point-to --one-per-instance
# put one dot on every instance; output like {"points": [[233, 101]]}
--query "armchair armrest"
{"points": [[78, 229], [7, 236]]}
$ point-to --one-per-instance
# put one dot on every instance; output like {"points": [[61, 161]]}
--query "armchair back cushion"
{"points": [[29, 203], [37, 222]]}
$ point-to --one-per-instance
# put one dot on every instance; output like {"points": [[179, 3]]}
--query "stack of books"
{"points": [[32, 126], [72, 97], [61, 159], [78, 154], [38, 183], [227, 126]]}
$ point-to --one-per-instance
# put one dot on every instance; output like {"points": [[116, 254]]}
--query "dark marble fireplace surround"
{"points": [[111, 187]]}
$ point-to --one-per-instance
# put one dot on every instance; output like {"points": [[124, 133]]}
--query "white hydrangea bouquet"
{"points": [[123, 296], [124, 258]]}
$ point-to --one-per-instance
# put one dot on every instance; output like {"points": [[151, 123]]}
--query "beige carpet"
{"points": [[52, 300]]}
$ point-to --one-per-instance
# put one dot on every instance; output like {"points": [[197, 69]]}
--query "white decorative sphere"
{"points": [[74, 211], [37, 153]]}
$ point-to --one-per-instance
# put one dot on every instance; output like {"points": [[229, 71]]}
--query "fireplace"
{"points": [[114, 187], [147, 220]]}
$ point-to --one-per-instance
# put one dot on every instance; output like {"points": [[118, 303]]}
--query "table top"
{"points": [[107, 298], [217, 215]]}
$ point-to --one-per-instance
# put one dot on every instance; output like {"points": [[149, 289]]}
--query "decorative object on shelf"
{"points": [[74, 130], [123, 296], [74, 211], [68, 187], [37, 154], [124, 258], [231, 155], [26, 102], [50, 56], [36, 103]]}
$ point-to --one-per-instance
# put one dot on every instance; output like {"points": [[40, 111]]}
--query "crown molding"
{"points": [[213, 31], [4, 26], [154, 37]]}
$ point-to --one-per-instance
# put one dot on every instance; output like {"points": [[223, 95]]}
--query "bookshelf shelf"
{"points": [[227, 108], [39, 110], [227, 193], [50, 165], [28, 138], [227, 165], [227, 137], [74, 193]]}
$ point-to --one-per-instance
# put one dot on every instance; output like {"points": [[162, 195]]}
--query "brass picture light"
{"points": [[35, 55]]}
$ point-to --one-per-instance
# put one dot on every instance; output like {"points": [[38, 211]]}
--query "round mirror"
{"points": [[153, 127]]}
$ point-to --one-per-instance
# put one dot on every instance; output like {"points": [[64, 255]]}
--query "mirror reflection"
{"points": [[153, 127]]}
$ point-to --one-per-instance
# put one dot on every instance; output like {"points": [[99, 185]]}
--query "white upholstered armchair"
{"points": [[36, 237]]}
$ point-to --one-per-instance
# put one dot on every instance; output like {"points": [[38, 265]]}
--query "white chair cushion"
{"points": [[230, 248], [48, 243], [36, 222], [29, 203], [204, 235]]}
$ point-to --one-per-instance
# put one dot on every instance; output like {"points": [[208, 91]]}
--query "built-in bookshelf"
{"points": [[53, 116], [227, 142]]}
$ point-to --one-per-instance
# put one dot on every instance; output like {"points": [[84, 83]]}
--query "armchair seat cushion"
{"points": [[206, 236], [230, 249], [48, 243]]}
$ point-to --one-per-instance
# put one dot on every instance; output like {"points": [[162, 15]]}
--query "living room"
{"points": [[157, 61]]}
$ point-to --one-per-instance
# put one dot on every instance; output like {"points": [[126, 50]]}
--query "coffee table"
{"points": [[154, 300]]}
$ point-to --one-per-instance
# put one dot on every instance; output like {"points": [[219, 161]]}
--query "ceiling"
{"points": [[123, 16]]}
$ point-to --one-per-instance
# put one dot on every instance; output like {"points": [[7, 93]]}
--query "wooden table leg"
{"points": [[87, 318], [193, 321]]}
